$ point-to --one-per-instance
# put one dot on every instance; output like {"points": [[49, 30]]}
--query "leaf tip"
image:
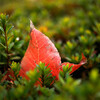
{"points": [[84, 59], [31, 26]]}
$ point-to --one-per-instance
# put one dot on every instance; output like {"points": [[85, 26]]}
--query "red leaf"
{"points": [[40, 49], [76, 66]]}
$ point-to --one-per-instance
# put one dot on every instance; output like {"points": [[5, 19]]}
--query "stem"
{"points": [[42, 78], [6, 47]]}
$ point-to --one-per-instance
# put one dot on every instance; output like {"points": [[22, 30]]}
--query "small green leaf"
{"points": [[10, 29], [10, 39], [19, 44], [3, 45], [61, 79], [1, 29], [15, 67], [10, 45], [3, 54], [15, 58]]}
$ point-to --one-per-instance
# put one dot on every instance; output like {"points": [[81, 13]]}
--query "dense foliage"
{"points": [[73, 26]]}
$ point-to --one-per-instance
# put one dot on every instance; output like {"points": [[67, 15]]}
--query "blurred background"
{"points": [[72, 25]]}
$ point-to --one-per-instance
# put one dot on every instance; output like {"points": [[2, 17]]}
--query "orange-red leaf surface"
{"points": [[76, 66], [42, 49]]}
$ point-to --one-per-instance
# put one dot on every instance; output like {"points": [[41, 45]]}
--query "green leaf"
{"points": [[10, 29], [10, 39], [10, 45], [15, 58], [3, 53], [45, 75], [19, 44], [15, 67], [3, 45], [1, 29], [61, 79]]}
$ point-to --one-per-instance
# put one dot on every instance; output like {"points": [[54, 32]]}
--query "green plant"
{"points": [[6, 38], [73, 26], [8, 42]]}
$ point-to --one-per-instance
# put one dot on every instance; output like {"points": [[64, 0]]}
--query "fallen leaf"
{"points": [[42, 49]]}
